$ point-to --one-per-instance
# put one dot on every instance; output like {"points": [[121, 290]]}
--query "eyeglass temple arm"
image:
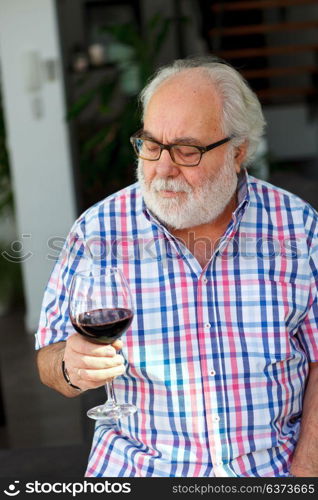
{"points": [[218, 143]]}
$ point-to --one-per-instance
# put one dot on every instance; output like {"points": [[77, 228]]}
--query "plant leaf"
{"points": [[81, 103]]}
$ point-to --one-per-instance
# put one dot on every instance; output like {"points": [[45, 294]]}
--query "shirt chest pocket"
{"points": [[268, 314]]}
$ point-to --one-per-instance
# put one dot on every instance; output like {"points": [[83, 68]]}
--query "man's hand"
{"points": [[91, 365], [305, 459], [88, 365]]}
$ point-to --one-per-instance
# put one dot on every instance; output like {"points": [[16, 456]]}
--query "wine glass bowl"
{"points": [[103, 326], [101, 310]]}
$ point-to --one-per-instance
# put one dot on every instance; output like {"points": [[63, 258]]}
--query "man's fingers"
{"points": [[91, 365], [100, 362], [100, 376], [85, 347], [118, 344]]}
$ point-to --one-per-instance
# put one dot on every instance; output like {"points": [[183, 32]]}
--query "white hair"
{"points": [[242, 113]]}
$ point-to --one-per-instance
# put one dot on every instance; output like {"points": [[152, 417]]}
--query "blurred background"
{"points": [[70, 74]]}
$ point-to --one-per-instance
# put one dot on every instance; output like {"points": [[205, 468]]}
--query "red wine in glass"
{"points": [[103, 325], [100, 308]]}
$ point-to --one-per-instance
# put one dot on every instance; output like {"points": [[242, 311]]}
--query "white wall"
{"points": [[37, 140]]}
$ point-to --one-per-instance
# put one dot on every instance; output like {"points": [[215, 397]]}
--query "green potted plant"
{"points": [[105, 151]]}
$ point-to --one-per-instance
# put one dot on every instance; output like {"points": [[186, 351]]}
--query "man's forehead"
{"points": [[184, 92], [183, 112], [175, 140]]}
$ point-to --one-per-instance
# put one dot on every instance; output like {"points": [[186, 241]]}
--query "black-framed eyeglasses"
{"points": [[185, 155]]}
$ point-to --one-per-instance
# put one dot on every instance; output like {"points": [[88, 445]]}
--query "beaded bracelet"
{"points": [[67, 377]]}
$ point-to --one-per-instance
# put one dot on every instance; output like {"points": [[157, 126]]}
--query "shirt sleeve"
{"points": [[54, 324], [308, 331]]}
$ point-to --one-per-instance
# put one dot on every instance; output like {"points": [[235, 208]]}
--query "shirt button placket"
{"points": [[217, 459], [213, 421]]}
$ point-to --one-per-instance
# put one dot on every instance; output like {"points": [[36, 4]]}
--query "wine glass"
{"points": [[101, 310]]}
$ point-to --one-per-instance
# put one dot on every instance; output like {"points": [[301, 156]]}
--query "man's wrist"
{"points": [[67, 377]]}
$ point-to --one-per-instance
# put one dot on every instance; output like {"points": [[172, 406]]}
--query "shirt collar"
{"points": [[243, 193]]}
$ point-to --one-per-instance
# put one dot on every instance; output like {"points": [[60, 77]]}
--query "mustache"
{"points": [[162, 184], [175, 185]]}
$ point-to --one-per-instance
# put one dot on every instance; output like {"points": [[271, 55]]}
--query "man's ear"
{"points": [[240, 155]]}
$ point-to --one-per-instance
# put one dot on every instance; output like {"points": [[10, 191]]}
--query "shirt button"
{"points": [[219, 463], [207, 325], [216, 418], [212, 372], [204, 280]]}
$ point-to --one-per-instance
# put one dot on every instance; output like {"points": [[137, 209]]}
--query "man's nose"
{"points": [[165, 166]]}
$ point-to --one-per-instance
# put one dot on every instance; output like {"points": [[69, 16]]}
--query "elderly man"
{"points": [[221, 357]]}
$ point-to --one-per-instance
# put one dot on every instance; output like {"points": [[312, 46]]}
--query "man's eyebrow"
{"points": [[177, 140], [187, 140], [148, 135]]}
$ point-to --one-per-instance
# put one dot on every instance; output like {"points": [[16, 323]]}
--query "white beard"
{"points": [[199, 205]]}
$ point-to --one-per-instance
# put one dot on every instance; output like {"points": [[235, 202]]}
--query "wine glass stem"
{"points": [[110, 394]]}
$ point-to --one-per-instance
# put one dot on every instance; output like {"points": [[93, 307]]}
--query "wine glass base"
{"points": [[112, 413]]}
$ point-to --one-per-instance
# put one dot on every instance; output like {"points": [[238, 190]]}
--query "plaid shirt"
{"points": [[217, 359]]}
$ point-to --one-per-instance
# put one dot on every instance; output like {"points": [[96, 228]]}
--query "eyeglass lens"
{"points": [[183, 154]]}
